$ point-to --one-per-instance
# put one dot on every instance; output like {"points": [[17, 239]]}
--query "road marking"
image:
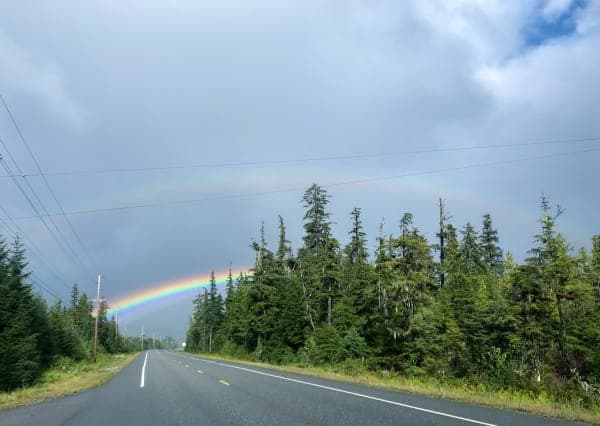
{"points": [[360, 395], [199, 371], [224, 382], [144, 371]]}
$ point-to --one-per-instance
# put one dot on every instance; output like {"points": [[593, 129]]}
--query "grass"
{"points": [[504, 399], [67, 378]]}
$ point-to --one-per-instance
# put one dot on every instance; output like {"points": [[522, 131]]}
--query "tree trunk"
{"points": [[442, 250], [308, 313], [329, 306], [563, 337]]}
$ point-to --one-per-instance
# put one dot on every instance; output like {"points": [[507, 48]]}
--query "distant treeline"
{"points": [[457, 308], [34, 337]]}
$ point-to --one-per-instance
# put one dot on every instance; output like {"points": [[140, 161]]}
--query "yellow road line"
{"points": [[224, 382]]}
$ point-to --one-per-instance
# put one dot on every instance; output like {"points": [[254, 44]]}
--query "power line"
{"points": [[30, 202], [313, 159], [34, 249], [41, 173], [45, 288], [335, 184], [64, 246], [36, 281]]}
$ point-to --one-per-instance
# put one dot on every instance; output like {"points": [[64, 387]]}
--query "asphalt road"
{"points": [[166, 388]]}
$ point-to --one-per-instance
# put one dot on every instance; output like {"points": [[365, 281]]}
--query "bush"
{"points": [[278, 353], [328, 346]]}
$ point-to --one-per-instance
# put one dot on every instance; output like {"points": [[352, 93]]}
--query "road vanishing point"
{"points": [[168, 388]]}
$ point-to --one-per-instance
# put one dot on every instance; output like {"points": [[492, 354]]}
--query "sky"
{"points": [[212, 117]]}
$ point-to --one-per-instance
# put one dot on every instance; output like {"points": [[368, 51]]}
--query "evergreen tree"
{"points": [[318, 252], [83, 319], [594, 277], [442, 236], [19, 347], [317, 225], [491, 252], [470, 251], [74, 299], [377, 322], [557, 270], [284, 251], [229, 290], [412, 263], [473, 315], [68, 342], [356, 293], [214, 314]]}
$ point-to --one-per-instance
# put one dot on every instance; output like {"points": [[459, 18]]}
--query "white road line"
{"points": [[360, 395], [144, 371]]}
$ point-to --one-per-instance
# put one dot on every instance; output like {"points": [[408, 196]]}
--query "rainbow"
{"points": [[164, 291]]}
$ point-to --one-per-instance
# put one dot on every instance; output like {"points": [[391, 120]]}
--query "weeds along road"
{"points": [[166, 388]]}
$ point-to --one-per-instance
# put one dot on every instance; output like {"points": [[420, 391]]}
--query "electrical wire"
{"points": [[44, 287], [335, 184], [314, 159], [33, 249], [41, 173], [64, 245]]}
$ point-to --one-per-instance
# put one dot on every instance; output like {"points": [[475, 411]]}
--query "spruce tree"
{"points": [[318, 252], [490, 251], [470, 251], [442, 236], [284, 251], [74, 298], [356, 291], [412, 263], [19, 347]]}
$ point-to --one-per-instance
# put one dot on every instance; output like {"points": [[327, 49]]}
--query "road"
{"points": [[166, 388]]}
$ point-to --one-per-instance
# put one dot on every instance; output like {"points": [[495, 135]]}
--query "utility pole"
{"points": [[97, 318], [153, 341], [116, 329], [142, 337]]}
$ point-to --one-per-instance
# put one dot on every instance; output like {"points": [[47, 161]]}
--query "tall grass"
{"points": [[352, 371], [66, 377]]}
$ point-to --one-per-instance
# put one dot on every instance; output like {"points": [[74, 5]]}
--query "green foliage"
{"points": [[68, 342], [473, 317], [330, 346], [20, 355], [33, 336]]}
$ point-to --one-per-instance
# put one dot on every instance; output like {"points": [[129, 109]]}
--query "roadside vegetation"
{"points": [[456, 317], [457, 390], [41, 345], [65, 377]]}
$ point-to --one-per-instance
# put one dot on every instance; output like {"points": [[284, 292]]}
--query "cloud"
{"points": [[21, 74], [550, 88], [232, 82], [554, 8]]}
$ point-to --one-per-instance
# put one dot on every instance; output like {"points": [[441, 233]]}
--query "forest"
{"points": [[459, 308], [35, 337]]}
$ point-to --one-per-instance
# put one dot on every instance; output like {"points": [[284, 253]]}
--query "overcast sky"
{"points": [[112, 85]]}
